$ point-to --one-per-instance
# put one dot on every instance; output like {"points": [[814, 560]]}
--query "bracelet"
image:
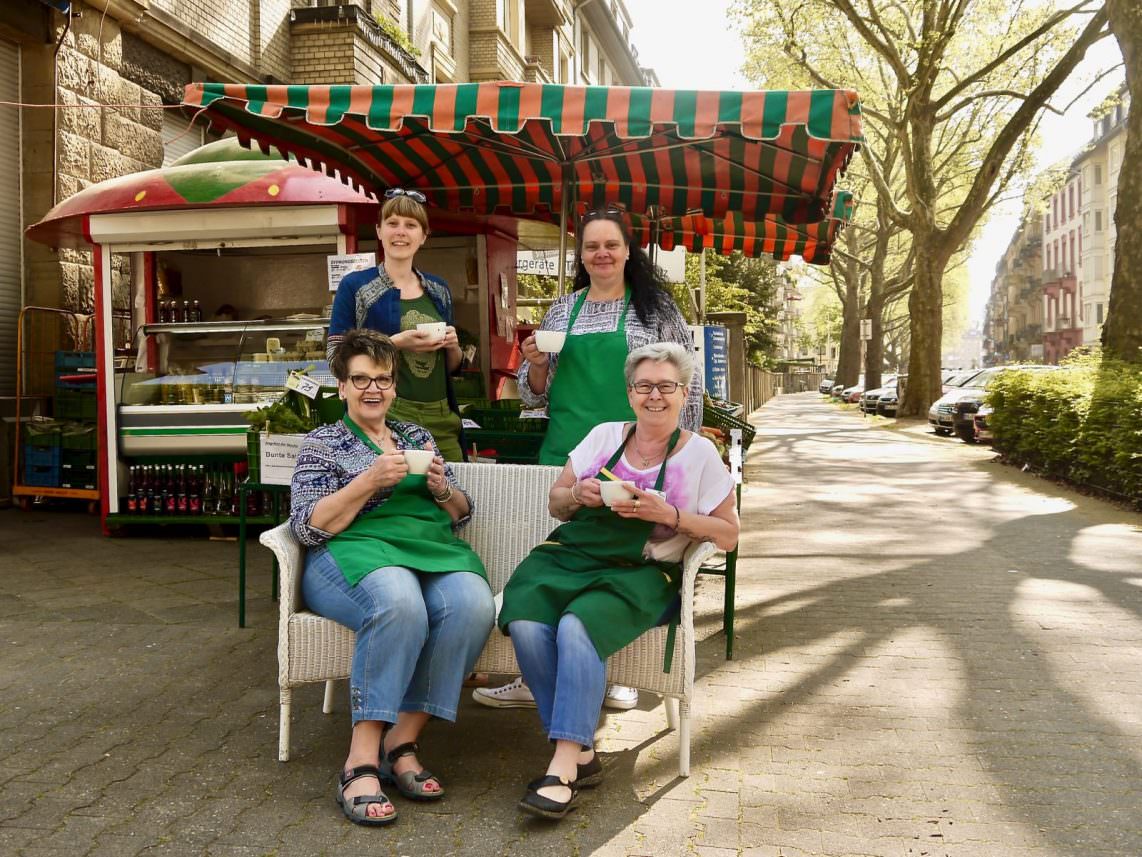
{"points": [[677, 519], [575, 499], [445, 497]]}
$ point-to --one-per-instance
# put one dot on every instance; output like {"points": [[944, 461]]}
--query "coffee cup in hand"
{"points": [[418, 460], [550, 341]]}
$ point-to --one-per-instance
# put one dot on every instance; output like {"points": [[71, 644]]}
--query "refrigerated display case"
{"points": [[206, 376]]}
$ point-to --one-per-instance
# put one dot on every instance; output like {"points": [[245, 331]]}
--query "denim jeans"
{"points": [[566, 676], [418, 634]]}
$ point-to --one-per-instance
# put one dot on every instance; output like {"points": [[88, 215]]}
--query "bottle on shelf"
{"points": [[164, 312], [187, 312], [176, 313], [196, 311]]}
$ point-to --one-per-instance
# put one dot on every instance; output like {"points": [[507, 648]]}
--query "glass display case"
{"points": [[202, 378]]}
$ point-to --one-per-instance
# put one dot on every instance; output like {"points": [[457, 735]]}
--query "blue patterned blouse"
{"points": [[331, 457]]}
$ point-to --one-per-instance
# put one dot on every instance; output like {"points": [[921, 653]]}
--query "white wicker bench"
{"points": [[511, 518]]}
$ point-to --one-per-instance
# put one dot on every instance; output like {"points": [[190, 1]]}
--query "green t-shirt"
{"points": [[421, 374]]}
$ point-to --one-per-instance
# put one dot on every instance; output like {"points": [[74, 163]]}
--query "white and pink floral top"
{"points": [[696, 480]]}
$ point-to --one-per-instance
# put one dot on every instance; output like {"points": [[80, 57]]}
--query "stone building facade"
{"points": [[117, 68], [1013, 324]]}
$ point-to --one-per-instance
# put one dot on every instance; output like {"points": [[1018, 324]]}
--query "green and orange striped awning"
{"points": [[733, 233], [522, 148]]}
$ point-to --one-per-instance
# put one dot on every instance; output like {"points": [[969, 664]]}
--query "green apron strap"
{"points": [[368, 441]]}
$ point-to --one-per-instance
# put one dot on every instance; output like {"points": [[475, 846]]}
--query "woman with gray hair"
{"points": [[613, 570]]}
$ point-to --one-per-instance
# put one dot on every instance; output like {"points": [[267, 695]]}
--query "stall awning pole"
{"points": [[564, 217]]}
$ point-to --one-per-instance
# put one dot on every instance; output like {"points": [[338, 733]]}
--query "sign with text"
{"points": [[341, 264], [279, 457], [717, 361], [303, 384], [546, 263]]}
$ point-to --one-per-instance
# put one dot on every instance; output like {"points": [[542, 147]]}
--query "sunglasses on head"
{"points": [[608, 211], [414, 195]]}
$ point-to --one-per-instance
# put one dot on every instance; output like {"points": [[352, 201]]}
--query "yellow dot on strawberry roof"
{"points": [[140, 196], [273, 190]]}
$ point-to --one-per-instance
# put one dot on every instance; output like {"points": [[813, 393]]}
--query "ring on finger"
{"points": [[636, 502]]}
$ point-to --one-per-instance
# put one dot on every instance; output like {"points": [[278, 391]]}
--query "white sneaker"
{"points": [[620, 697], [515, 694]]}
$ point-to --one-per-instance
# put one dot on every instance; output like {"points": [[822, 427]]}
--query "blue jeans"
{"points": [[418, 634], [566, 676]]}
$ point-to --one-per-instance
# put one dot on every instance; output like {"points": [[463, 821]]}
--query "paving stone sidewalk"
{"points": [[936, 655]]}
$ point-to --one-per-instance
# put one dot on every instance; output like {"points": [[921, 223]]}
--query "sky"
{"points": [[704, 51]]}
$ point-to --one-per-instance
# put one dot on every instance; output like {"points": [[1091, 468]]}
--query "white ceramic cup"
{"points": [[436, 328], [418, 460], [550, 340], [613, 492]]}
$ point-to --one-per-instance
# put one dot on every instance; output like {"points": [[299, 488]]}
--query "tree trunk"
{"points": [[1122, 333], [848, 359], [926, 328], [874, 354]]}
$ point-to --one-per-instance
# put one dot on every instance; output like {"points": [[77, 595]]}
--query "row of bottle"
{"points": [[173, 312], [192, 490]]}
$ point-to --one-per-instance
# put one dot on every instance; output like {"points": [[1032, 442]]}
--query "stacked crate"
{"points": [[75, 409], [42, 454]]}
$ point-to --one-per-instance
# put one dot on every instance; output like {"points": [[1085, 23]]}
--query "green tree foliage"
{"points": [[956, 86], [736, 283]]}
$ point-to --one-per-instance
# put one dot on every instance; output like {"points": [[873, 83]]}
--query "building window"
{"points": [[1098, 174], [1098, 221], [1086, 222], [442, 29], [1074, 260], [1098, 313], [1071, 201]]}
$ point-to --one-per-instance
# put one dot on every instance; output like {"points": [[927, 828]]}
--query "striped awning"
{"points": [[733, 233], [522, 149]]}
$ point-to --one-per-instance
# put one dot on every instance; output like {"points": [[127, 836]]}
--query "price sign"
{"points": [[303, 384]]}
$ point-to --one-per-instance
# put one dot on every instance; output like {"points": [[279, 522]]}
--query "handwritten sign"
{"points": [[279, 457], [303, 384]]}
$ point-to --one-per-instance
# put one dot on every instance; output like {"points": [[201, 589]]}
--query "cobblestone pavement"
{"points": [[936, 655]]}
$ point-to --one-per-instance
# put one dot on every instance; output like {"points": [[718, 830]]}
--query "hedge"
{"points": [[1082, 423]]}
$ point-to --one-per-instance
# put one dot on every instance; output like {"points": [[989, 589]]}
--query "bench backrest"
{"points": [[510, 513]]}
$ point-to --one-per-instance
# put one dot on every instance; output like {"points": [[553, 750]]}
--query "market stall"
{"points": [[229, 290]]}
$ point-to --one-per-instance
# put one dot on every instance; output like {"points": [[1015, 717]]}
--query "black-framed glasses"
{"points": [[645, 388], [414, 195], [362, 382]]}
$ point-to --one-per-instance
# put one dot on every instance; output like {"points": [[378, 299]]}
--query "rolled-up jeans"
{"points": [[566, 676], [418, 634]]}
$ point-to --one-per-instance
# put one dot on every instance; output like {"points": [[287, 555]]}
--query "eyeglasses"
{"points": [[611, 211], [414, 195], [645, 388], [362, 382]]}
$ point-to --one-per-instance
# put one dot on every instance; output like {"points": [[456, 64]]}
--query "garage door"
{"points": [[11, 248]]}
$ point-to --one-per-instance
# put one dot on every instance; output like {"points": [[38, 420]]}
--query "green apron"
{"points": [[442, 423], [588, 388], [410, 529], [593, 566]]}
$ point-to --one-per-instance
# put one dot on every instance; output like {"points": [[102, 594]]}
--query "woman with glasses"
{"points": [[619, 304], [395, 298], [385, 561], [613, 571]]}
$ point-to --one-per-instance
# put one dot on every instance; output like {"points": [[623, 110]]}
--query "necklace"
{"points": [[647, 460]]}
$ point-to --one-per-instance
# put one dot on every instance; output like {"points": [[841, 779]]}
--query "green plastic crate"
{"points": [[43, 434], [79, 436], [717, 418], [76, 406], [507, 447]]}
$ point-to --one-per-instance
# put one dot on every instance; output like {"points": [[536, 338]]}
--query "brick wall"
{"points": [[325, 53]]}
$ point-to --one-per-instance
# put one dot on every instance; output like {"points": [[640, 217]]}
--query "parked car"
{"points": [[842, 392], [869, 398], [979, 422], [852, 394], [965, 401], [941, 414], [886, 405], [825, 386]]}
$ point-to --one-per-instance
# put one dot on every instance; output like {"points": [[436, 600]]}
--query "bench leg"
{"points": [[327, 703], [684, 739], [285, 696], [671, 711]]}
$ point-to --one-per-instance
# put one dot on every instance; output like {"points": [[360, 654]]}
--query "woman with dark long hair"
{"points": [[620, 303]]}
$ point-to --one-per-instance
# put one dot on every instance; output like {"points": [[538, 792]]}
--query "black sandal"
{"points": [[410, 785], [536, 804], [358, 810], [589, 775]]}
